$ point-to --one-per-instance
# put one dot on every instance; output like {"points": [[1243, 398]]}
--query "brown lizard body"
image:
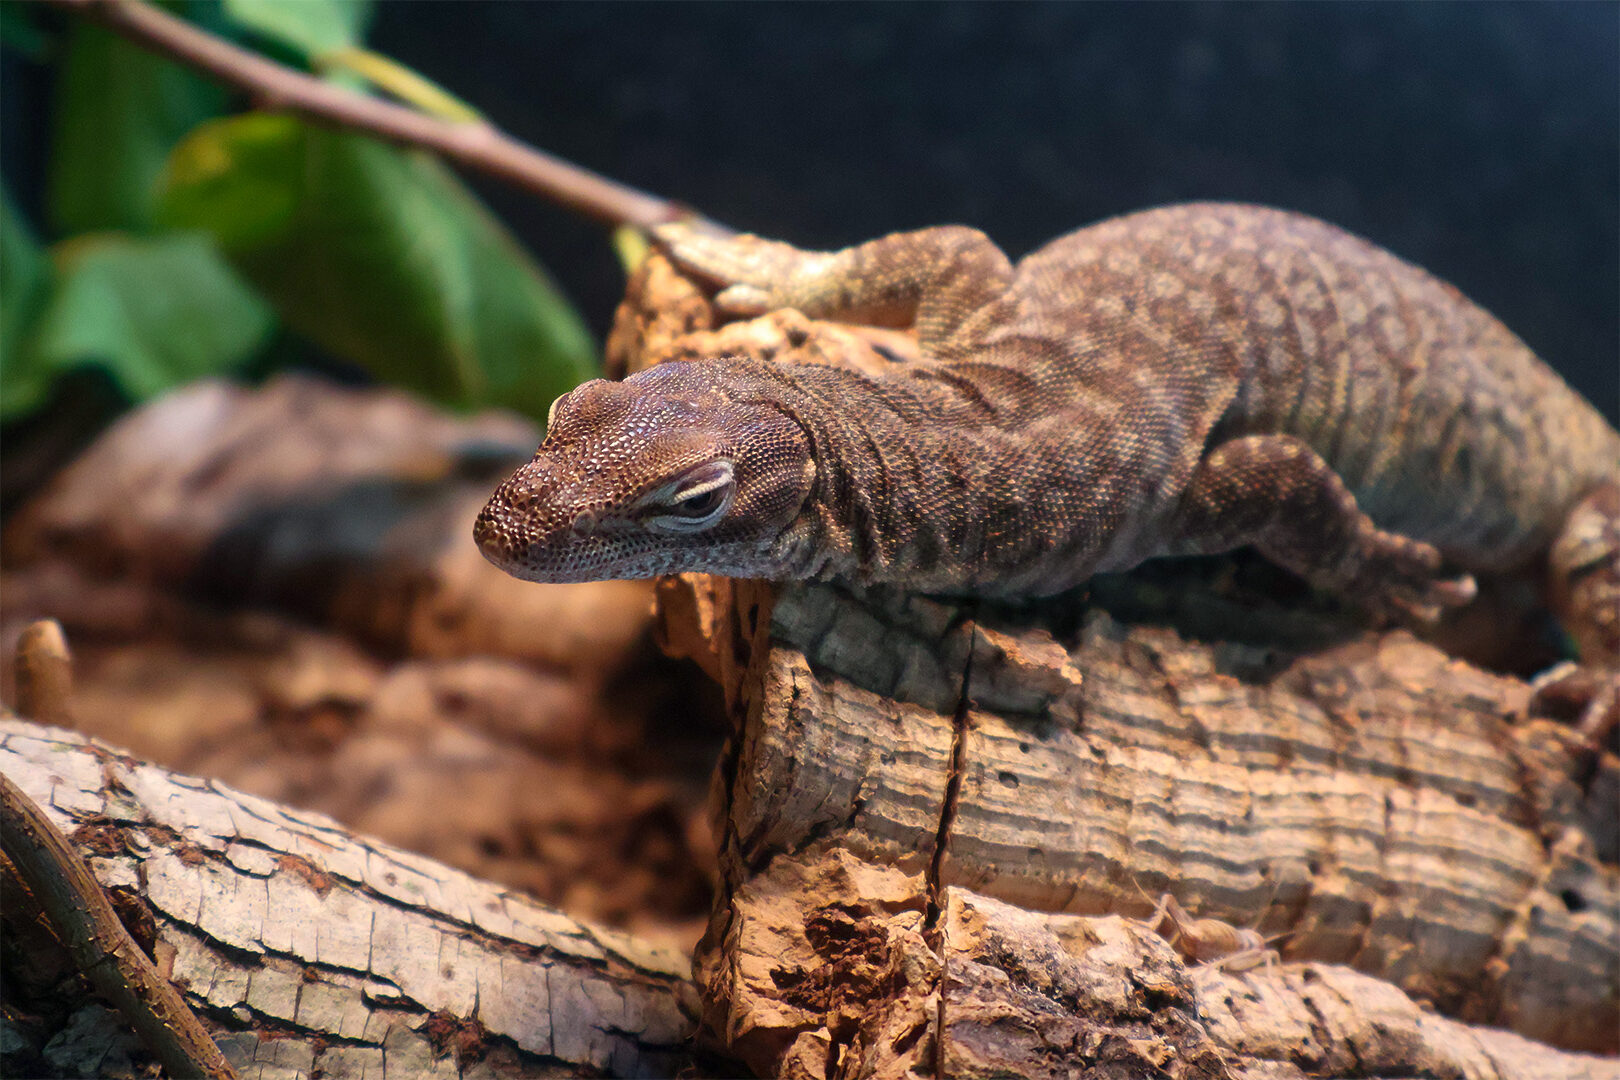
{"points": [[1179, 381]]}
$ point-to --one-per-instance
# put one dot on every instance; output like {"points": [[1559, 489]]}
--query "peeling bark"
{"points": [[932, 816], [306, 949]]}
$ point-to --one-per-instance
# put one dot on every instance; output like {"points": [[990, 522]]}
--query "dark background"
{"points": [[1481, 141]]}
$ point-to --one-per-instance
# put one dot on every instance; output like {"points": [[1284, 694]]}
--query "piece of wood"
{"points": [[303, 947], [1107, 991], [43, 673], [55, 874], [1372, 804], [1396, 819]]}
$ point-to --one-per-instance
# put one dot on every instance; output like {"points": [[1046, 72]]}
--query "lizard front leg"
{"points": [[1585, 586], [1276, 493], [935, 279]]}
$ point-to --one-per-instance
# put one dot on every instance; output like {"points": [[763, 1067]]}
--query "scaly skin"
{"points": [[1183, 380]]}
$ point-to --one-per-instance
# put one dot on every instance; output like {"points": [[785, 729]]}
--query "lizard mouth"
{"points": [[514, 549], [571, 555], [563, 549], [506, 531]]}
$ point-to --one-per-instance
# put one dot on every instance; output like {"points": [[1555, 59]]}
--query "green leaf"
{"points": [[23, 270], [384, 258], [311, 27], [119, 111], [155, 312], [24, 274]]}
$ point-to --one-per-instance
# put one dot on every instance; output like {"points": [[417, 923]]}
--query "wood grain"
{"points": [[303, 947]]}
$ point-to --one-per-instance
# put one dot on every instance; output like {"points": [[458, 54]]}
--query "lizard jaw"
{"points": [[603, 549], [523, 531]]}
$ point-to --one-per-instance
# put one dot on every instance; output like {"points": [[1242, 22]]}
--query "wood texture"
{"points": [[308, 951], [82, 918], [928, 812]]}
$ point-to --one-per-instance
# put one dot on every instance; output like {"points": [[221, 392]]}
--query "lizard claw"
{"points": [[1424, 604], [725, 259], [1588, 696], [1399, 581], [697, 251]]}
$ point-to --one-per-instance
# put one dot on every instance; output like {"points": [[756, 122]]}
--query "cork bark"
{"points": [[941, 824], [310, 951]]}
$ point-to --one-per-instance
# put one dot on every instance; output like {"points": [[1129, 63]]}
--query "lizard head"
{"points": [[676, 468]]}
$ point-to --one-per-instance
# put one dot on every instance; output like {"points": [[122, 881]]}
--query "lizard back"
{"points": [[1248, 320]]}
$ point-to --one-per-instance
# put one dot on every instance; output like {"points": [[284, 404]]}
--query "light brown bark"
{"points": [[303, 947]]}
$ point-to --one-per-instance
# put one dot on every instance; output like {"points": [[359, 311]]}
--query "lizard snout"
{"points": [[493, 534], [537, 522], [513, 519]]}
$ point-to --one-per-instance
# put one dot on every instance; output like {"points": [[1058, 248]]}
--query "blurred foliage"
{"points": [[157, 310], [398, 80], [23, 273], [382, 256], [185, 237], [119, 111], [19, 32], [312, 27]]}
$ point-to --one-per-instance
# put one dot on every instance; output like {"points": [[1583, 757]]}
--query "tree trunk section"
{"points": [[307, 950]]}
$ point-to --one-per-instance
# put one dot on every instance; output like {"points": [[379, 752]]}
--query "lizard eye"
{"points": [[694, 502]]}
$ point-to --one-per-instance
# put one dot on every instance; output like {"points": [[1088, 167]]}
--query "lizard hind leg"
{"points": [[1276, 493]]}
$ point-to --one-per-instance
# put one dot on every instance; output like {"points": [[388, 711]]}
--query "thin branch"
{"points": [[79, 912], [478, 146]]}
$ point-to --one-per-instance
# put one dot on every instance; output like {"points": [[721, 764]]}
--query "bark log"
{"points": [[307, 950], [933, 814]]}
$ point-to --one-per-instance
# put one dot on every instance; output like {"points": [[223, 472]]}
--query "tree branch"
{"points": [[479, 146], [79, 912], [53, 871]]}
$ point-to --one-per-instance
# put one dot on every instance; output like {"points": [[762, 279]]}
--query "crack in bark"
{"points": [[953, 779], [932, 912], [266, 1024], [1319, 1028], [1523, 911]]}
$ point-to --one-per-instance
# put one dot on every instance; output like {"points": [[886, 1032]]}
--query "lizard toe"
{"points": [[745, 301], [1420, 602]]}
